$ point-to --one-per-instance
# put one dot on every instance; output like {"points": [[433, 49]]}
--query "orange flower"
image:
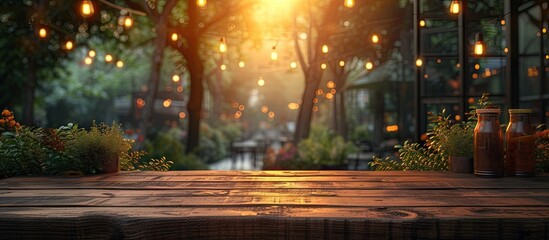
{"points": [[12, 123], [10, 118], [6, 113]]}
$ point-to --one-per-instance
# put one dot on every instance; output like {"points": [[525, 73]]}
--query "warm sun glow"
{"points": [[261, 82], [87, 8], [69, 45], [325, 48], [241, 64], [128, 22], [119, 64], [454, 7], [175, 37], [201, 3], [42, 33], [369, 65], [349, 3], [108, 58], [91, 53], [222, 45], [375, 38]]}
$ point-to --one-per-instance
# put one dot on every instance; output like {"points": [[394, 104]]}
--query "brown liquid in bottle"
{"points": [[519, 137], [488, 144]]}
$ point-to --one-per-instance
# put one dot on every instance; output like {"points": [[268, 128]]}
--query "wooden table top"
{"points": [[275, 205]]}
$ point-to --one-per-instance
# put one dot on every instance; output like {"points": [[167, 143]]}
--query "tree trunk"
{"points": [[30, 87], [305, 111], [194, 106], [154, 78]]}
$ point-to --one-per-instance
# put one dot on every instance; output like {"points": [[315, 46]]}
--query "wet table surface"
{"points": [[274, 205]]}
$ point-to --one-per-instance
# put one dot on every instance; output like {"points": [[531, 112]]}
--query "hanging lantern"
{"points": [[128, 21], [222, 45], [274, 54], [454, 7], [479, 44], [43, 33], [375, 38], [87, 8]]}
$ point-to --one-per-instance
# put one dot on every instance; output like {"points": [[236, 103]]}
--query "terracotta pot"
{"points": [[111, 165], [461, 164]]}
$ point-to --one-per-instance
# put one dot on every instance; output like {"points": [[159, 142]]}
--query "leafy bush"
{"points": [[169, 144], [215, 141], [324, 148], [542, 150]]}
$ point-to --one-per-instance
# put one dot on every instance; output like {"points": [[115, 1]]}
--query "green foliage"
{"points": [[444, 138], [22, 153], [215, 141], [167, 145], [324, 148], [542, 149]]}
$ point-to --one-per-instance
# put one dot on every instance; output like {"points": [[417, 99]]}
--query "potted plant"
{"points": [[458, 144]]}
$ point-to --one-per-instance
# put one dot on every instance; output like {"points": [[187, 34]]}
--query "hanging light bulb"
{"points": [[128, 22], [325, 48], [43, 33], [323, 66], [375, 38], [274, 54], [454, 7], [349, 3], [91, 53], [241, 64], [342, 63], [108, 58], [261, 82], [201, 3], [87, 8], [88, 60], [175, 78], [69, 45], [479, 44], [293, 65], [369, 65], [422, 23], [222, 45], [119, 64], [175, 37], [419, 62]]}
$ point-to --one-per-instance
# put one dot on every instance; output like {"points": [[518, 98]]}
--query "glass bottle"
{"points": [[519, 138], [488, 144]]}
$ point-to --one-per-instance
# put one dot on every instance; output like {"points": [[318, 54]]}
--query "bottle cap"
{"points": [[523, 110], [488, 110]]}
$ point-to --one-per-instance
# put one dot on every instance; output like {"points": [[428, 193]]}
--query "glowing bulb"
{"points": [[42, 33], [293, 65], [342, 63], [349, 3], [502, 22], [182, 115], [454, 7], [506, 50], [128, 21], [201, 3], [88, 60], [479, 44], [119, 64], [330, 84], [325, 48], [477, 66], [87, 8], [375, 38], [422, 23], [544, 30], [271, 114], [261, 82], [176, 78], [241, 64], [419, 62], [91, 53], [329, 95], [69, 45], [175, 37], [369, 65], [167, 103], [274, 54], [323, 66], [108, 58], [223, 67], [547, 57], [222, 45]]}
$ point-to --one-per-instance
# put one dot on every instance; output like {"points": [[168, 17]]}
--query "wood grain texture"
{"points": [[274, 205]]}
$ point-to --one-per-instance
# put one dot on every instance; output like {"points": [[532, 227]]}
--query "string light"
{"points": [[91, 53], [175, 37], [223, 67], [349, 3], [274, 54], [454, 7], [87, 8], [128, 22], [342, 63], [325, 48], [479, 44], [330, 84], [69, 45], [422, 23], [375, 38], [261, 82], [419, 62], [175, 78], [241, 64], [293, 65], [323, 66], [201, 3], [108, 58], [88, 60], [222, 45], [119, 64], [167, 103], [43, 33], [369, 65]]}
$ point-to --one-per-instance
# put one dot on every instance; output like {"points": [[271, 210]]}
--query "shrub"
{"points": [[324, 148]]}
